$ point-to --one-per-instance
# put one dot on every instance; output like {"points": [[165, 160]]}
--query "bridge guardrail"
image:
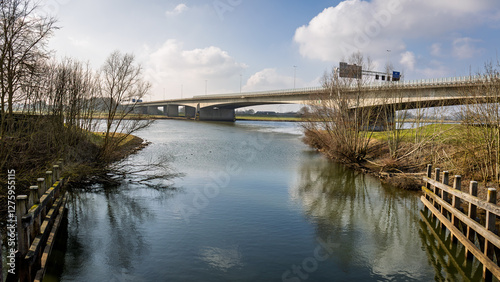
{"points": [[406, 84], [447, 81]]}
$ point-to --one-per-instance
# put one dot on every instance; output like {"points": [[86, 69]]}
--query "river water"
{"points": [[250, 202]]}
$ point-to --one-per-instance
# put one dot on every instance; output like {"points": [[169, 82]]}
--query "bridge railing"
{"points": [[446, 81], [460, 80]]}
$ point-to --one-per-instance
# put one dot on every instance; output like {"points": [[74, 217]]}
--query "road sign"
{"points": [[396, 75], [350, 71]]}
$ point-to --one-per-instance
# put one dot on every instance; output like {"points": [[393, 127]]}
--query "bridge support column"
{"points": [[172, 110], [375, 119], [141, 110], [217, 114], [151, 110], [383, 120], [190, 112]]}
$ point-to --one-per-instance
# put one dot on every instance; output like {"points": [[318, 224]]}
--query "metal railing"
{"points": [[446, 81]]}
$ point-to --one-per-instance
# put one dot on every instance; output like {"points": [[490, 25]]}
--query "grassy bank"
{"points": [[80, 164], [442, 145]]}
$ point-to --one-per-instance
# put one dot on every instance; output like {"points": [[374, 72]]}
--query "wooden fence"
{"points": [[447, 258], [39, 216], [470, 221]]}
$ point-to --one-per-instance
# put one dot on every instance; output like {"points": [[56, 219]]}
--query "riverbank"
{"points": [[435, 144], [80, 168]]}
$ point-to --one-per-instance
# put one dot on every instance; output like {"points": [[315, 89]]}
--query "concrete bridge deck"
{"points": [[411, 94]]}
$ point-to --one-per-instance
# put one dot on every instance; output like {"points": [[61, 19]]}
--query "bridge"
{"points": [[410, 94]]}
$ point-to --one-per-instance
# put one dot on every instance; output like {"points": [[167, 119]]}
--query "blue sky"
{"points": [[188, 46]]}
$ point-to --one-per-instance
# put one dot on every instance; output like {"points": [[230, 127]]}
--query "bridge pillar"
{"points": [[383, 120], [190, 112], [151, 110], [217, 114], [141, 110], [171, 110], [376, 119]]}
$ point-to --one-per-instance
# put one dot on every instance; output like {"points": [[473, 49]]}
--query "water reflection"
{"points": [[375, 226], [447, 258], [338, 226], [222, 258], [105, 232]]}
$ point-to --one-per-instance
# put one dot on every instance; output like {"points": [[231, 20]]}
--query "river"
{"points": [[249, 202]]}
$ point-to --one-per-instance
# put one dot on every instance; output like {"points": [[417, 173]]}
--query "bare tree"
{"points": [[342, 121], [121, 82], [23, 40], [481, 118]]}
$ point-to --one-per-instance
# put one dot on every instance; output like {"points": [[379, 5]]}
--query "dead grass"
{"points": [[443, 147]]}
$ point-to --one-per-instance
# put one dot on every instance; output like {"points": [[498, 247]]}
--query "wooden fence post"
{"points": [[60, 163], [427, 184], [437, 178], [41, 186], [22, 237], [54, 175], [444, 195], [490, 225], [471, 234], [48, 179], [429, 175], [446, 181], [33, 197], [457, 185]]}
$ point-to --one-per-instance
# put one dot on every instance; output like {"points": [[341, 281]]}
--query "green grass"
{"points": [[442, 133]]}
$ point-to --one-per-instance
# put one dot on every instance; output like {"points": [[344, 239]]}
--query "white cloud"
{"points": [[373, 27], [463, 48], [177, 10], [435, 69], [79, 42], [268, 79], [436, 49], [408, 60], [351, 26], [171, 67]]}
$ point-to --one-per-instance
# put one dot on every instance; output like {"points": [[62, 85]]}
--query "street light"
{"points": [[205, 87], [388, 58], [294, 75]]}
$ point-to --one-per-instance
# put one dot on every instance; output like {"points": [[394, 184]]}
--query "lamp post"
{"points": [[294, 75], [388, 58]]}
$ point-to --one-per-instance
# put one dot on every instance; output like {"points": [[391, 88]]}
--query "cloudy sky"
{"points": [[189, 47]]}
